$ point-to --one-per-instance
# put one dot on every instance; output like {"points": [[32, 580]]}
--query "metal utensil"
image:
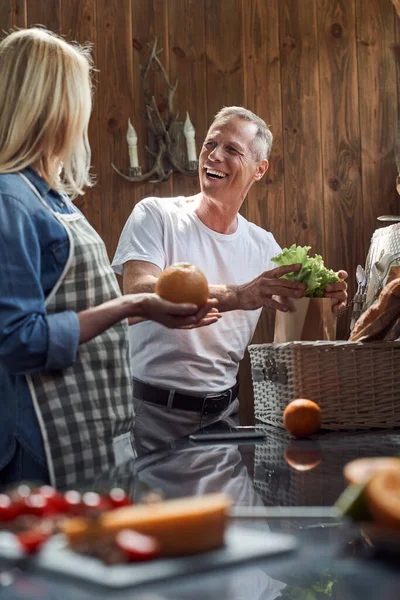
{"points": [[360, 278], [358, 298], [392, 218]]}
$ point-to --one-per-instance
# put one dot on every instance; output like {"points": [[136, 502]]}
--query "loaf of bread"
{"points": [[394, 273], [378, 318], [184, 526]]}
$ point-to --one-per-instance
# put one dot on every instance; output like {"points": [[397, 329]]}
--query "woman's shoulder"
{"points": [[10, 182], [14, 189]]}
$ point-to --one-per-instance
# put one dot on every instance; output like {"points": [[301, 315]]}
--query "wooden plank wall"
{"points": [[322, 73]]}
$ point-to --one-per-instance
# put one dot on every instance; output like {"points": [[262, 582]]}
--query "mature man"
{"points": [[187, 379]]}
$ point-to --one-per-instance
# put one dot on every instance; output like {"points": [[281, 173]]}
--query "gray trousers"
{"points": [[156, 426]]}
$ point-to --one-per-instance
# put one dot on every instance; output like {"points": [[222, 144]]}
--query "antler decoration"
{"points": [[163, 133]]}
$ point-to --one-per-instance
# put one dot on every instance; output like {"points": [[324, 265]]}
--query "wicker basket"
{"points": [[356, 385]]}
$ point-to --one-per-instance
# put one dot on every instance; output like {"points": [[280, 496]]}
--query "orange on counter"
{"points": [[359, 470], [302, 417], [382, 496], [183, 282], [302, 458]]}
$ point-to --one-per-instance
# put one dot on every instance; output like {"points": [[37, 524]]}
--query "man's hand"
{"points": [[179, 315], [338, 292], [260, 291]]}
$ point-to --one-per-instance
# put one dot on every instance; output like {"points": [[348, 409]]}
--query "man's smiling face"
{"points": [[227, 165]]}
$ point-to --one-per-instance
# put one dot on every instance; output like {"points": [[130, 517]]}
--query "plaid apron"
{"points": [[85, 411]]}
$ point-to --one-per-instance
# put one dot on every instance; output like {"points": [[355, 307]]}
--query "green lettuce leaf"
{"points": [[313, 272]]}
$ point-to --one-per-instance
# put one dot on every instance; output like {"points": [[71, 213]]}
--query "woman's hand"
{"points": [[174, 315]]}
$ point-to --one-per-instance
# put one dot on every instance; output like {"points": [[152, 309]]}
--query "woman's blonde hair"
{"points": [[45, 106]]}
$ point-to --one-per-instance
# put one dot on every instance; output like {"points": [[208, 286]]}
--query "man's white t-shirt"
{"points": [[164, 231]]}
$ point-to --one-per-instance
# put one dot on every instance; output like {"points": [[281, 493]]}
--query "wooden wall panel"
{"points": [[224, 44], [149, 21], [12, 14], [341, 147], [301, 124], [78, 21], [115, 87], [263, 95], [377, 108], [43, 12], [396, 51], [187, 64]]}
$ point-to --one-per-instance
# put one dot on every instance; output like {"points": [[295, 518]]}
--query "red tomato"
{"points": [[118, 497], [137, 547], [73, 501], [32, 541], [21, 492], [93, 501], [46, 490], [9, 510], [35, 504], [56, 502]]}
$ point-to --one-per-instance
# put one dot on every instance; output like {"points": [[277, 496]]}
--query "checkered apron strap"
{"points": [[86, 410]]}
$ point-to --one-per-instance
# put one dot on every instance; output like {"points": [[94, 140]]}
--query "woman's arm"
{"points": [[143, 306], [30, 339]]}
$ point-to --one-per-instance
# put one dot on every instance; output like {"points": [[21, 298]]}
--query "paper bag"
{"points": [[311, 320]]}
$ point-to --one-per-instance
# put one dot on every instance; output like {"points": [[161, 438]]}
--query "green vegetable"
{"points": [[313, 273], [351, 503], [318, 588]]}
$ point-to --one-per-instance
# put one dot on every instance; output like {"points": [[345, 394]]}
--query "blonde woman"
{"points": [[66, 403]]}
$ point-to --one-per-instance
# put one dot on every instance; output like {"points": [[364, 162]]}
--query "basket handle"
{"points": [[271, 371]]}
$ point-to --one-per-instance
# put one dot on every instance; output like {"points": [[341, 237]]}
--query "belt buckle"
{"points": [[211, 397]]}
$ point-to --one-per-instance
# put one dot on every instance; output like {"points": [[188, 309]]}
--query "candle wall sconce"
{"points": [[171, 144]]}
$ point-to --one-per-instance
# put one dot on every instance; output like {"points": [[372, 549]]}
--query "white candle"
{"points": [[189, 132], [131, 138]]}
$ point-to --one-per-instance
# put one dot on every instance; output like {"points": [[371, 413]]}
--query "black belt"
{"points": [[210, 404]]}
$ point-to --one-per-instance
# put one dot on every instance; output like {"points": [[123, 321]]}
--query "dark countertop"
{"points": [[331, 555]]}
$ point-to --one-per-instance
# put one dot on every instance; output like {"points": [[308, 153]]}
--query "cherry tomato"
{"points": [[56, 502], [34, 504], [137, 547], [118, 497], [93, 501], [9, 510], [21, 492], [46, 490], [31, 541], [73, 501]]}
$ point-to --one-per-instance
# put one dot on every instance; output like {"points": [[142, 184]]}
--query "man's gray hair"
{"points": [[262, 143]]}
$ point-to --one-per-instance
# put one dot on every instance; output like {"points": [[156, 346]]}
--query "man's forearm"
{"points": [[227, 295], [145, 285]]}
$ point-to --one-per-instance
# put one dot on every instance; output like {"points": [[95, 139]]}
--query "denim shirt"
{"points": [[34, 249]]}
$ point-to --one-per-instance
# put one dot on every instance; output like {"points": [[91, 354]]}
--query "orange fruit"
{"points": [[358, 471], [183, 282], [382, 495], [302, 417], [302, 458]]}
